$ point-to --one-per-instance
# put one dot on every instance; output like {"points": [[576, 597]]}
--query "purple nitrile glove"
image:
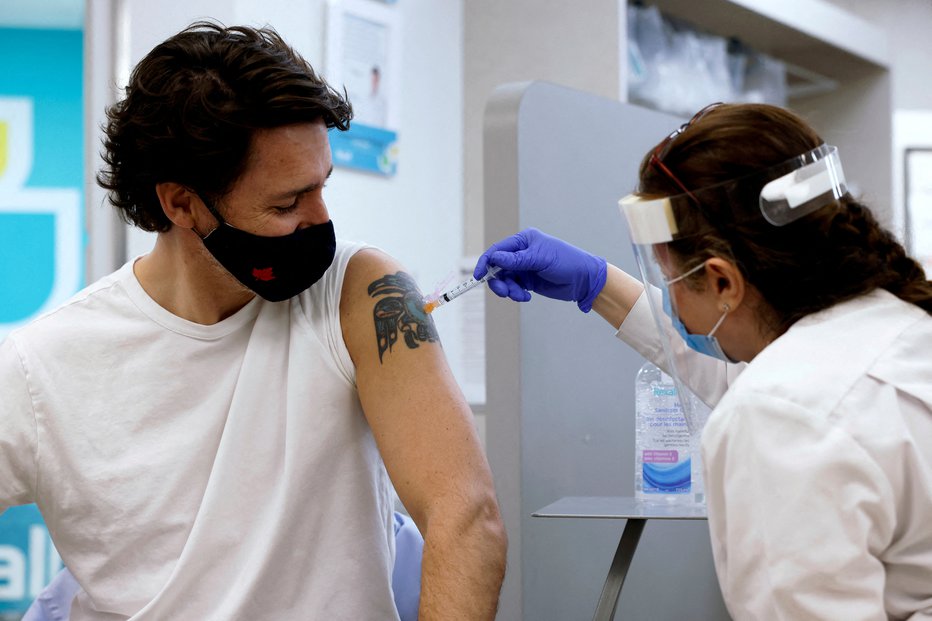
{"points": [[534, 261]]}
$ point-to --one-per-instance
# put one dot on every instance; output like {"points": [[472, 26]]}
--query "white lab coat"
{"points": [[818, 464]]}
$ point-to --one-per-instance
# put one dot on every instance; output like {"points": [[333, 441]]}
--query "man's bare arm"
{"points": [[425, 433]]}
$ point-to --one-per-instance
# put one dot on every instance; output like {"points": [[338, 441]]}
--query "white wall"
{"points": [[574, 44], [907, 24]]}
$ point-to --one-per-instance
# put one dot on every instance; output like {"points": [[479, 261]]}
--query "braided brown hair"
{"points": [[837, 253]]}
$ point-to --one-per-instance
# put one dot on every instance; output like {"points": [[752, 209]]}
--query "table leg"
{"points": [[608, 601]]}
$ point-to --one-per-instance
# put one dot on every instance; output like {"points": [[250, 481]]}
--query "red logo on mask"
{"points": [[264, 274]]}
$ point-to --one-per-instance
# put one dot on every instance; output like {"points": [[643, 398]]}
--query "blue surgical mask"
{"points": [[703, 343]]}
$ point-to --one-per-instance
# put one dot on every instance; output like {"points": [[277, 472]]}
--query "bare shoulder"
{"points": [[382, 309]]}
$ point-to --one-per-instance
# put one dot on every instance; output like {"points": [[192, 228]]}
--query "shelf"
{"points": [[619, 508], [814, 35]]}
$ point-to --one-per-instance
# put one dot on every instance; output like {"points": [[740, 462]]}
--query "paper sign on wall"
{"points": [[363, 56]]}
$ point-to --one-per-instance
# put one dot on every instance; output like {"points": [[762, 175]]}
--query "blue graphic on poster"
{"points": [[367, 148], [28, 561], [41, 238], [41, 171]]}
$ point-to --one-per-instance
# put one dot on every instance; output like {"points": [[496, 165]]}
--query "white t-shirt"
{"points": [[818, 466], [219, 472]]}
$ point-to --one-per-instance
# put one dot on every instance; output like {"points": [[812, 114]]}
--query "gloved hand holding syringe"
{"points": [[433, 301]]}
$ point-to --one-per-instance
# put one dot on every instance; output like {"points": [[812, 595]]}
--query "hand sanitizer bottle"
{"points": [[662, 440]]}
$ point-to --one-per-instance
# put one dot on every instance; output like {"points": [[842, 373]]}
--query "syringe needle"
{"points": [[455, 292]]}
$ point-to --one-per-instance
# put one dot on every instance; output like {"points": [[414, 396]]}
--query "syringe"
{"points": [[430, 303]]}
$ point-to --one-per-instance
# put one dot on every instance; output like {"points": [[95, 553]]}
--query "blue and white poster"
{"points": [[363, 57], [41, 171], [41, 238], [28, 560]]}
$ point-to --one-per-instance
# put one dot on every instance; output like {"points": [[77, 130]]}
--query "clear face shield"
{"points": [[662, 232]]}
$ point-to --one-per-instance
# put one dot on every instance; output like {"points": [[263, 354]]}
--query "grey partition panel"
{"points": [[560, 387]]}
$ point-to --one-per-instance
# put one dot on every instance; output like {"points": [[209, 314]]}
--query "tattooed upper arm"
{"points": [[400, 308]]}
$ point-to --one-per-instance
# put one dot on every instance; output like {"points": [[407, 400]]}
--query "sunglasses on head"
{"points": [[662, 149]]}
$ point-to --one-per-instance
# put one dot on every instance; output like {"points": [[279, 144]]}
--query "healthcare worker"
{"points": [[815, 333]]}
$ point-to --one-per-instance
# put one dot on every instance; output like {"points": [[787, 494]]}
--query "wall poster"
{"points": [[41, 237], [363, 56]]}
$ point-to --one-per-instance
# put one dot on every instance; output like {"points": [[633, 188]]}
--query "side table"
{"points": [[636, 512]]}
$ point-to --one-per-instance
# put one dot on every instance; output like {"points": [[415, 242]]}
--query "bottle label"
{"points": [[667, 478], [664, 443]]}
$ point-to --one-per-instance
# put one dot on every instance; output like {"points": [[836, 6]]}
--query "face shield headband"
{"points": [[789, 191]]}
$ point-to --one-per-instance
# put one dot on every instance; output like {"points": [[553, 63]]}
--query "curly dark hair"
{"points": [[192, 106], [836, 253]]}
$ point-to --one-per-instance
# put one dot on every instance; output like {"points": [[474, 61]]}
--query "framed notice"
{"points": [[917, 169], [363, 56]]}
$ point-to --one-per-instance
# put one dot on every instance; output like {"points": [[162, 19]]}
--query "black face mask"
{"points": [[275, 268]]}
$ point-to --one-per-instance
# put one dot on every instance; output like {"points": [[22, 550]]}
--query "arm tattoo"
{"points": [[402, 309]]}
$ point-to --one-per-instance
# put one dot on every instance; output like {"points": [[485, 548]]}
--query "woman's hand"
{"points": [[534, 261]]}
